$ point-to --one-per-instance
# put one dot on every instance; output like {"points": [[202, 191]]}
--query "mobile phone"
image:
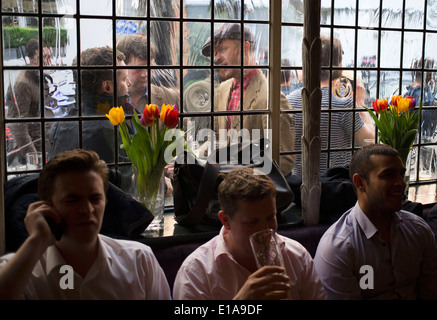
{"points": [[56, 228]]}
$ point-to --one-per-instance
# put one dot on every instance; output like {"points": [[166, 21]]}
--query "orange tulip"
{"points": [[380, 105], [150, 114]]}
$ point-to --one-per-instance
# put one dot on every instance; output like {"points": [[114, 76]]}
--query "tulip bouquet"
{"points": [[150, 148], [397, 122]]}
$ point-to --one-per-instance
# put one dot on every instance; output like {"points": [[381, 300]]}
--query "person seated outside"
{"points": [[72, 189], [376, 250], [342, 124], [226, 51], [225, 267]]}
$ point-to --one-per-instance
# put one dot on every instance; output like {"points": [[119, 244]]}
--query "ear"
{"points": [[224, 218], [359, 182], [107, 87]]}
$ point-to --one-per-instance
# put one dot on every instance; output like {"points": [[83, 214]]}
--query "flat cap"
{"points": [[231, 31]]}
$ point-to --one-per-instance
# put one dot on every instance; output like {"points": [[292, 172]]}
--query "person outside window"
{"points": [[227, 52], [339, 126]]}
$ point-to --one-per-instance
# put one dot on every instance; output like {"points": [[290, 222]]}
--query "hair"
{"points": [[360, 162], [77, 160], [417, 72], [135, 45], [337, 55], [243, 184], [99, 56], [31, 47], [285, 73]]}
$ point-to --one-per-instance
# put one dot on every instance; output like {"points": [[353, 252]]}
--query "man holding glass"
{"points": [[225, 267]]}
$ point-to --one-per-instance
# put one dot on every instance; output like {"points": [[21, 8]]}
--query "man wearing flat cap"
{"points": [[226, 51]]}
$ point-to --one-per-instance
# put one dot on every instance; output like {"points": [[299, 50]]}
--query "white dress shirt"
{"points": [[122, 270], [404, 269], [211, 273]]}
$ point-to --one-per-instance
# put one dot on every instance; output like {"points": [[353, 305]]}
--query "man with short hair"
{"points": [[72, 189], [98, 90], [163, 90], [224, 268], [376, 250], [226, 51], [336, 128]]}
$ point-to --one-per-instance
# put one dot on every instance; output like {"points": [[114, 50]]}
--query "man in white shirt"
{"points": [[376, 250], [81, 264], [225, 267]]}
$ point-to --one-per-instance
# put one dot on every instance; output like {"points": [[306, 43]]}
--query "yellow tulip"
{"points": [[116, 115], [403, 105]]}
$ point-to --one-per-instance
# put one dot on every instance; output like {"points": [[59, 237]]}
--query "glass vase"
{"points": [[149, 190]]}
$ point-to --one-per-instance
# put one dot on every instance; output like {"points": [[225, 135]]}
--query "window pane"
{"points": [[59, 36], [59, 6], [412, 47], [165, 38], [390, 49], [97, 91], [292, 45], [60, 96], [227, 9], [63, 136], [391, 13], [197, 94], [414, 14], [200, 9], [368, 13], [96, 7], [22, 88], [367, 47], [164, 8], [131, 8], [101, 35], [388, 84], [344, 12], [325, 12], [195, 35], [431, 11], [431, 46], [257, 10], [347, 39], [292, 11], [19, 32], [30, 6]]}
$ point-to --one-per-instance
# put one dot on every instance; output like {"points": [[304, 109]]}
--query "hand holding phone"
{"points": [[56, 228]]}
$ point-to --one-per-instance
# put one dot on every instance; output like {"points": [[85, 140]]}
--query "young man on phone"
{"points": [[81, 264]]}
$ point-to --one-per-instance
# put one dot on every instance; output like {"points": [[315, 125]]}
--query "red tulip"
{"points": [[150, 114], [170, 116], [380, 105]]}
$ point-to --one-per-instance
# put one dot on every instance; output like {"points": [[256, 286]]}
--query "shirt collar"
{"points": [[54, 258], [246, 79], [221, 247], [367, 226]]}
